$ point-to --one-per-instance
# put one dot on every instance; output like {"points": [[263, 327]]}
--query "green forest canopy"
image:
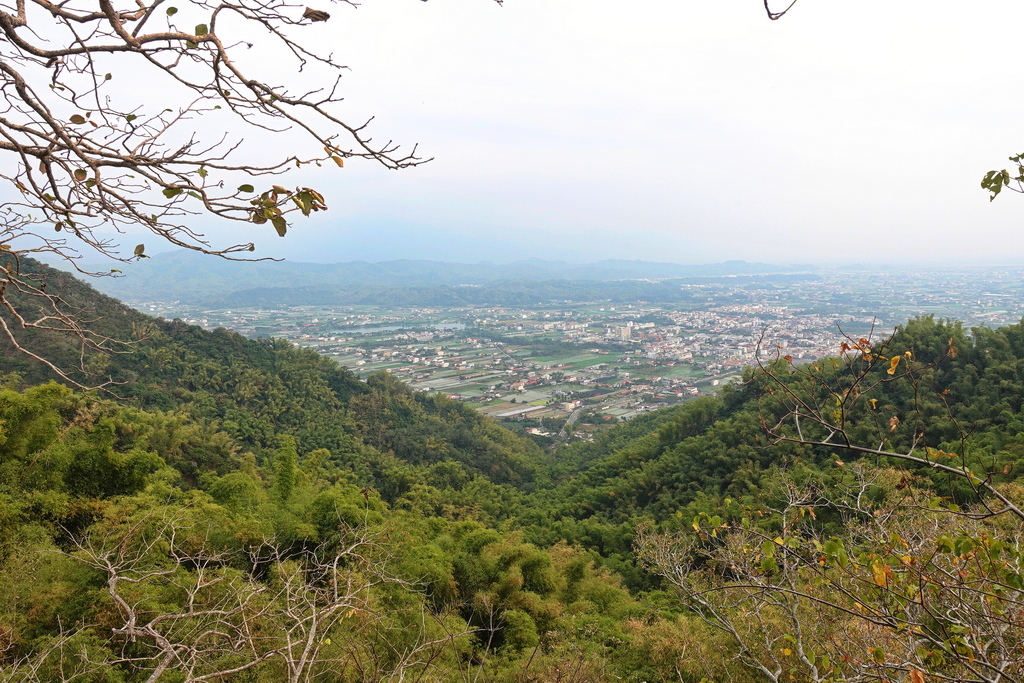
{"points": [[250, 511]]}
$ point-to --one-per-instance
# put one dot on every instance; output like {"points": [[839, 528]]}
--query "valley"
{"points": [[606, 362]]}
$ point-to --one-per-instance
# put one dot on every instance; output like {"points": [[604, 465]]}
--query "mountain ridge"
{"points": [[195, 278]]}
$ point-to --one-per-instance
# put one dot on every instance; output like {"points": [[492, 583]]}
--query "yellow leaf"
{"points": [[874, 403], [916, 676], [339, 161], [893, 362], [880, 573], [786, 652]]}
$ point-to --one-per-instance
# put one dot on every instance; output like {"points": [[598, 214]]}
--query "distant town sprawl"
{"points": [[563, 369]]}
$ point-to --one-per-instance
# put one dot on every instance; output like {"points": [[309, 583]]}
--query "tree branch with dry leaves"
{"points": [[184, 608], [854, 579], [117, 117], [146, 117], [826, 404]]}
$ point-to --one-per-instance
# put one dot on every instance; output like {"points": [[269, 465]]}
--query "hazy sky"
{"points": [[676, 131]]}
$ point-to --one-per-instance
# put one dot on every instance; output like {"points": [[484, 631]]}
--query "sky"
{"points": [[682, 131]]}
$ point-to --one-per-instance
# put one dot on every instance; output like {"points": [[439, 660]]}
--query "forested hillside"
{"points": [[244, 510]]}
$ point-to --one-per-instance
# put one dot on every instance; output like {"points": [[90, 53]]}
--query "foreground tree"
{"points": [[858, 579], [86, 149], [181, 604], [860, 571], [147, 115]]}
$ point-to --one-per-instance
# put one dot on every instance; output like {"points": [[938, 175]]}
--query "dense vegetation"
{"points": [[250, 511]]}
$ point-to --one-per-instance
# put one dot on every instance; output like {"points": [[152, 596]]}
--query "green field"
{"points": [[576, 362]]}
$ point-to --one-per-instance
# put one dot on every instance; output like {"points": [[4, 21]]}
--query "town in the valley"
{"points": [[565, 369]]}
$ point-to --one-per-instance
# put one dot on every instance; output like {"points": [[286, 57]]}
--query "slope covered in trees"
{"points": [[250, 511], [257, 390]]}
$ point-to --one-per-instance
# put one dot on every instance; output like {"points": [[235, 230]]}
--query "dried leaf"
{"points": [[880, 573], [315, 15]]}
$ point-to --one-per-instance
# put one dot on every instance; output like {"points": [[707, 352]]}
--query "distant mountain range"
{"points": [[188, 277]]}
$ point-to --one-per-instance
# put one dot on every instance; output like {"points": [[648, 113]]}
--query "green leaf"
{"points": [[172, 192], [203, 172], [280, 225], [130, 117], [108, 77], [304, 202], [77, 118], [202, 29], [81, 174], [994, 181], [171, 11], [191, 43], [139, 249], [963, 545], [246, 188]]}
